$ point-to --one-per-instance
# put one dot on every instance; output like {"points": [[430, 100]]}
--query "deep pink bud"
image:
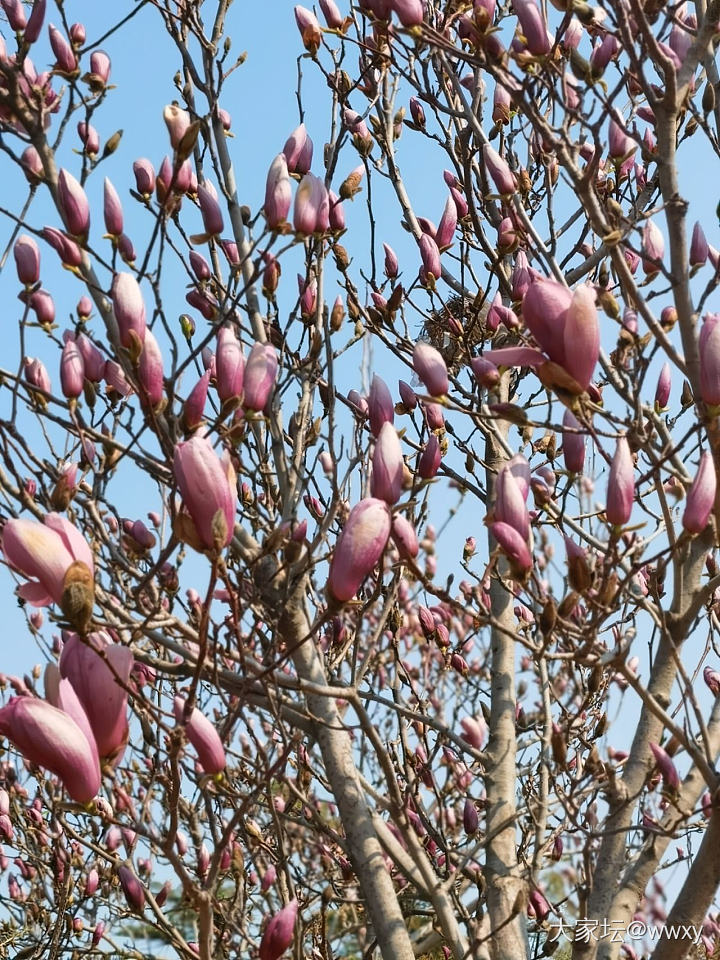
{"points": [[144, 176], [210, 209], [150, 371], [486, 373], [260, 376], [129, 308], [36, 374], [387, 466], [709, 344], [42, 303], [73, 204], [278, 934], [499, 171], [621, 485], [533, 26], [229, 365], [429, 365], [666, 767], [337, 212], [112, 210], [581, 336], [712, 679], [278, 195], [430, 256], [35, 21], [410, 13], [203, 736], [27, 260], [407, 395], [620, 144], [430, 459], [662, 391], [573, 443], [417, 112], [65, 59], [404, 537], [72, 371], [208, 489], [132, 888], [698, 247], [380, 405], [471, 821], [69, 252], [448, 223], [50, 738], [701, 496], [177, 122], [15, 13], [510, 505], [298, 151], [89, 137], [359, 547], [32, 165], [539, 904], [513, 545], [100, 66], [194, 407]]}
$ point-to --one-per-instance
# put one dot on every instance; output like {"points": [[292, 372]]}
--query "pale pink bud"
{"points": [[177, 122], [404, 537], [499, 171], [150, 371], [430, 256], [312, 206], [474, 731], [268, 878], [391, 262], [430, 459], [27, 260], [513, 546], [36, 374], [72, 371], [208, 489], [603, 53], [260, 375], [278, 195], [410, 13], [502, 104], [229, 365], [337, 212], [712, 679], [709, 350], [100, 66], [359, 547], [621, 485], [115, 378], [581, 336], [144, 176], [387, 466], [73, 204], [278, 934], [44, 307], [112, 210], [698, 247], [89, 137], [132, 888], [620, 144], [307, 24], [65, 59], [430, 367], [544, 310], [653, 247], [380, 405], [298, 151], [203, 736], [446, 227], [32, 164], [573, 443], [510, 505], [50, 738], [701, 496], [664, 384], [210, 209], [129, 308]]}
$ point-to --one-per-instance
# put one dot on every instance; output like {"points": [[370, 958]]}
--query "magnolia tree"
{"points": [[378, 613]]}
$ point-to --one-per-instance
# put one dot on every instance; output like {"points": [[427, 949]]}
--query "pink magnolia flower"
{"points": [[229, 365], [27, 260], [72, 371], [44, 552], [429, 365], [709, 350], [208, 488], [621, 485], [150, 371], [49, 737], [203, 736], [278, 934], [381, 408], [73, 204], [573, 443], [129, 308], [359, 547], [387, 466], [278, 194], [513, 546], [260, 375], [404, 537], [534, 27], [298, 151], [499, 171], [112, 209], [99, 672]]}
